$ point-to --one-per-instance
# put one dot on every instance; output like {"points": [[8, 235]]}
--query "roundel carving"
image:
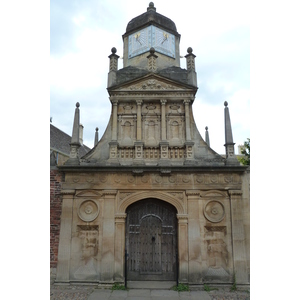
{"points": [[214, 211], [88, 211]]}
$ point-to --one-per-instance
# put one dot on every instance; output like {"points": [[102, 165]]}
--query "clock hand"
{"points": [[165, 37]]}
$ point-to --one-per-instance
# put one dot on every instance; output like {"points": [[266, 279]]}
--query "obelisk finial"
{"points": [[207, 136], [229, 144], [75, 143]]}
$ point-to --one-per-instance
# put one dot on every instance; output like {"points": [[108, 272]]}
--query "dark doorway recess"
{"points": [[151, 241]]}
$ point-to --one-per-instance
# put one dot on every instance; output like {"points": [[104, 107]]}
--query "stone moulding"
{"points": [[151, 194]]}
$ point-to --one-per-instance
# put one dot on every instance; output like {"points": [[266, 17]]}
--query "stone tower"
{"points": [[152, 200]]}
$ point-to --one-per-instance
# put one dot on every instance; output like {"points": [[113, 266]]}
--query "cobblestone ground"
{"points": [[226, 294], [58, 292]]}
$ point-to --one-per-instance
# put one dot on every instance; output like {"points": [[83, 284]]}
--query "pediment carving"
{"points": [[88, 193], [151, 84]]}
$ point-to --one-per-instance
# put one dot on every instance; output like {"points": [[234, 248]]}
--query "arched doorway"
{"points": [[151, 241]]}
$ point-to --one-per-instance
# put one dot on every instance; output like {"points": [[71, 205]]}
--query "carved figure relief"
{"points": [[214, 211], [217, 253], [89, 246], [152, 84], [88, 210]]}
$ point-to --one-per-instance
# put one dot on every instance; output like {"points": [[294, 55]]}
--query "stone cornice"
{"points": [[235, 192], [146, 169], [67, 192]]}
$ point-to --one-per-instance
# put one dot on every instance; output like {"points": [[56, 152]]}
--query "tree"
{"points": [[245, 160]]}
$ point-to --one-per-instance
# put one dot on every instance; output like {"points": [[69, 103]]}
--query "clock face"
{"points": [[163, 42], [141, 41]]}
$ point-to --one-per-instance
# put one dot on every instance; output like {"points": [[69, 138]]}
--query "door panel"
{"points": [[151, 241]]}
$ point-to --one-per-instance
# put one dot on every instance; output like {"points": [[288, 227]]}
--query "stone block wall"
{"points": [[56, 178]]}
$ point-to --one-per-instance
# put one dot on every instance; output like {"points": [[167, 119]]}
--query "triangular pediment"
{"points": [[152, 82]]}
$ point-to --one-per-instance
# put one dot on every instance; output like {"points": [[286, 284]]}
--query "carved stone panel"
{"points": [[87, 240], [88, 210], [214, 211], [175, 130]]}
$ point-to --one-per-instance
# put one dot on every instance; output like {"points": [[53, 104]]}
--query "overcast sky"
{"points": [[82, 34]]}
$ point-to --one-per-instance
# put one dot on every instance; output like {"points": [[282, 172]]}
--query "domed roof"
{"points": [[151, 17]]}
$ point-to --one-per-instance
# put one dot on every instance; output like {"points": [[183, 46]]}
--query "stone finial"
{"points": [[152, 60], [113, 63], [96, 137], [75, 139], [189, 50], [207, 136], [113, 67], [76, 126], [229, 144], [190, 66], [151, 7]]}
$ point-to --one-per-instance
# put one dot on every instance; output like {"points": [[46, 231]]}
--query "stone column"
{"points": [[238, 237], [183, 251], [120, 220], [189, 144], [163, 120], [115, 119], [113, 144], [164, 144], [187, 119], [107, 268], [65, 236], [139, 145], [139, 120], [194, 240]]}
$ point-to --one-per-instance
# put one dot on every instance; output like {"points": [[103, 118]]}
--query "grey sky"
{"points": [[82, 34]]}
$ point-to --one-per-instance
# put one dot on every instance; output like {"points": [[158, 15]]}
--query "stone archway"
{"points": [[151, 241]]}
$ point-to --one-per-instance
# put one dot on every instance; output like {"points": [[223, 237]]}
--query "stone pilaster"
{"points": [[120, 221], [163, 120], [107, 265], [183, 248], [115, 119], [187, 119], [139, 120], [64, 248], [238, 237], [194, 236]]}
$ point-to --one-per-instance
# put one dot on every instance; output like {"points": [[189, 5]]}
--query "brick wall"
{"points": [[56, 178]]}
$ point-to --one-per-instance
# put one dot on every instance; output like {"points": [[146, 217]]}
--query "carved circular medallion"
{"points": [[214, 211], [88, 211]]}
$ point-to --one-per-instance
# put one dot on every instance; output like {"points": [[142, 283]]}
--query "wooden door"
{"points": [[151, 241]]}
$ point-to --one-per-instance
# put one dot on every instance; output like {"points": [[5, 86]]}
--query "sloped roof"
{"points": [[151, 17], [60, 141]]}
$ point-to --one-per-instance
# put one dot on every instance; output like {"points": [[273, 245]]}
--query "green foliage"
{"points": [[181, 288], [246, 152], [118, 286], [233, 287], [208, 288]]}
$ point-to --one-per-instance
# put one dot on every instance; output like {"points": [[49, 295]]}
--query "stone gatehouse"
{"points": [[152, 200]]}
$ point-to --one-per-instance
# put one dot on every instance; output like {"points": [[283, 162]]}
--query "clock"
{"points": [[139, 42], [163, 41], [142, 40]]}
